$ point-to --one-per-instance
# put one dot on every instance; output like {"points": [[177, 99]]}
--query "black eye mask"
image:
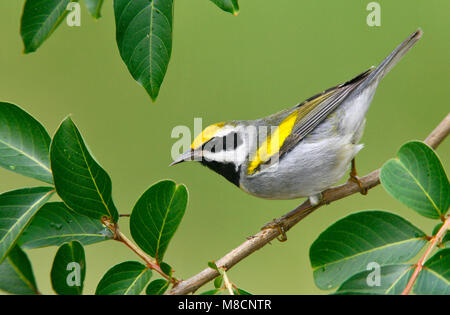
{"points": [[228, 143]]}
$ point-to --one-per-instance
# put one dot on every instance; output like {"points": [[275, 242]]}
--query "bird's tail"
{"points": [[390, 61]]}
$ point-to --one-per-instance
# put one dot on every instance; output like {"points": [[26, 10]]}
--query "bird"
{"points": [[300, 151]]}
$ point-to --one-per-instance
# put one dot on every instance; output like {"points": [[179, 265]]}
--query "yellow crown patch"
{"points": [[207, 134]]}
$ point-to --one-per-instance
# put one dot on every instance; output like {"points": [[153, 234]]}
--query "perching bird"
{"points": [[300, 151]]}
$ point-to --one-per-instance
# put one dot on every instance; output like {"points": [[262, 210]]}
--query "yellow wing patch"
{"points": [[273, 143], [207, 134]]}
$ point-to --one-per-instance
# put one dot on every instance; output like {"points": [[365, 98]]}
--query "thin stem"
{"points": [[292, 218], [227, 283], [152, 264], [435, 240]]}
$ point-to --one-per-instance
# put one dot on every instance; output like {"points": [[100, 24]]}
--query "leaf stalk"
{"points": [[435, 240], [151, 264]]}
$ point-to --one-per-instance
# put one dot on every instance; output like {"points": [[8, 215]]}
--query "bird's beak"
{"points": [[189, 155]]}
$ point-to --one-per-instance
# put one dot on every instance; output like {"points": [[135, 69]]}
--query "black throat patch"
{"points": [[227, 170]]}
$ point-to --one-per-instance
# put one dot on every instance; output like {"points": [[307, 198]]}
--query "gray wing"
{"points": [[315, 109]]}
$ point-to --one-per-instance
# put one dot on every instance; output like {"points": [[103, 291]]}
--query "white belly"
{"points": [[307, 170]]}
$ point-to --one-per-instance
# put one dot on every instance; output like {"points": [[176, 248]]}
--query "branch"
{"points": [[292, 218], [435, 240], [151, 264]]}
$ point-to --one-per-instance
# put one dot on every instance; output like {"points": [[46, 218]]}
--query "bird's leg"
{"points": [[282, 224], [354, 178], [279, 225]]}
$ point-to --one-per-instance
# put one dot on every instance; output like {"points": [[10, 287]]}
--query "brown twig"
{"points": [[435, 240], [292, 218], [151, 264]]}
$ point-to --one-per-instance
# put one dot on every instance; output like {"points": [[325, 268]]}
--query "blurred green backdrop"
{"points": [[273, 55]]}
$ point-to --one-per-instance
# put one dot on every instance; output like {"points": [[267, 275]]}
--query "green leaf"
{"points": [[144, 38], [239, 291], [156, 217], [127, 278], [212, 265], [211, 292], [17, 209], [435, 276], [55, 224], [40, 18], [350, 244], [230, 6], [69, 269], [24, 144], [80, 181], [16, 274], [157, 287], [417, 179], [94, 7], [218, 282], [393, 280], [166, 268]]}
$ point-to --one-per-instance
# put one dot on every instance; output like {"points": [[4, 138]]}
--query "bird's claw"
{"points": [[355, 179], [279, 225]]}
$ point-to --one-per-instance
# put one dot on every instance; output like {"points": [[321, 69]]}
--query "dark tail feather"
{"points": [[390, 61]]}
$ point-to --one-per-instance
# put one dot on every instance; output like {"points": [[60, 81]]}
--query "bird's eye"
{"points": [[214, 145], [231, 141], [226, 143]]}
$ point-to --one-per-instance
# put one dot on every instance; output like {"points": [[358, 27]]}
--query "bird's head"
{"points": [[222, 147]]}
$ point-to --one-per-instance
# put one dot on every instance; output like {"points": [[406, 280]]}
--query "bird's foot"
{"points": [[355, 179], [280, 226]]}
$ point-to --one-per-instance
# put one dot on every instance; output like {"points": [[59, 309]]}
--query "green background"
{"points": [[273, 55]]}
